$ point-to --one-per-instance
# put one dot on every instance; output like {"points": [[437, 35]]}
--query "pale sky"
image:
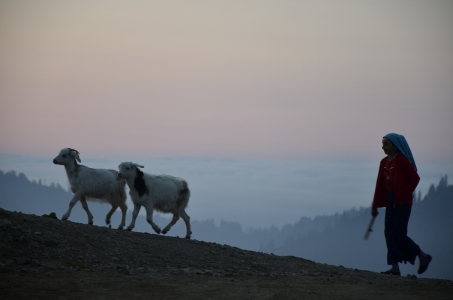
{"points": [[244, 80], [266, 79]]}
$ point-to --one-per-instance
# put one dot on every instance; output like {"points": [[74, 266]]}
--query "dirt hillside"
{"points": [[44, 258]]}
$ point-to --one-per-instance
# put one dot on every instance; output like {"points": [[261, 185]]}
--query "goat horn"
{"points": [[70, 149]]}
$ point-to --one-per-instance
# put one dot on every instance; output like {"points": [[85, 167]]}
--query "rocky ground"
{"points": [[43, 258]]}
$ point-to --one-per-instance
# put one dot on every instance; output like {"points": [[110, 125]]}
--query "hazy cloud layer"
{"points": [[254, 193]]}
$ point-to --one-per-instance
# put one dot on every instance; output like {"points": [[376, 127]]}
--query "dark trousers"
{"points": [[399, 246]]}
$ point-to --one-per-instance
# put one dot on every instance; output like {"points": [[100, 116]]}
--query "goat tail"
{"points": [[118, 196], [184, 195], [122, 194], [121, 190]]}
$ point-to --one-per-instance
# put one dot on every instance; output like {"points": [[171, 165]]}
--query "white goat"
{"points": [[93, 185], [163, 193]]}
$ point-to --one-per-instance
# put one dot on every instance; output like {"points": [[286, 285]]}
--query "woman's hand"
{"points": [[374, 213]]}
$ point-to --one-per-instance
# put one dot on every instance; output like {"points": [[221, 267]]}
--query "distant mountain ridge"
{"points": [[17, 193], [430, 225], [336, 239]]}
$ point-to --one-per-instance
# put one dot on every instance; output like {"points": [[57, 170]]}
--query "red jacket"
{"points": [[405, 180]]}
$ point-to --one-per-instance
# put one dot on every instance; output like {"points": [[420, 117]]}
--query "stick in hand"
{"points": [[369, 229]]}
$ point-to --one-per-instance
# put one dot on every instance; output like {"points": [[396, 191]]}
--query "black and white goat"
{"points": [[163, 193], [93, 185]]}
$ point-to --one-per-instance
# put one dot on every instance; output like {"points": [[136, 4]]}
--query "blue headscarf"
{"points": [[400, 142]]}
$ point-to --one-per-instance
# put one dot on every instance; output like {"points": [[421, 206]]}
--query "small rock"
{"points": [[35, 262]]}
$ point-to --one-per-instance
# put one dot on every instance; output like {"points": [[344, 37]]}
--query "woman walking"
{"points": [[395, 185]]}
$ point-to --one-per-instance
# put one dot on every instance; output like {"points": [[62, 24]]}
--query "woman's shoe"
{"points": [[392, 272], [424, 263]]}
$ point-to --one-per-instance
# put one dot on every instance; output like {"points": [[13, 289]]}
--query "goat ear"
{"points": [[138, 166], [75, 154]]}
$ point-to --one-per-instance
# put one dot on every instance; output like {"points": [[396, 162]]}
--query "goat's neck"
{"points": [[72, 169], [130, 182]]}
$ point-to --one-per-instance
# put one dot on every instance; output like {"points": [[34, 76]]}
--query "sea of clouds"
{"points": [[254, 193]]}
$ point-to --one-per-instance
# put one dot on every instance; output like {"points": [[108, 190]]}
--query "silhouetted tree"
{"points": [[431, 190], [443, 183]]}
